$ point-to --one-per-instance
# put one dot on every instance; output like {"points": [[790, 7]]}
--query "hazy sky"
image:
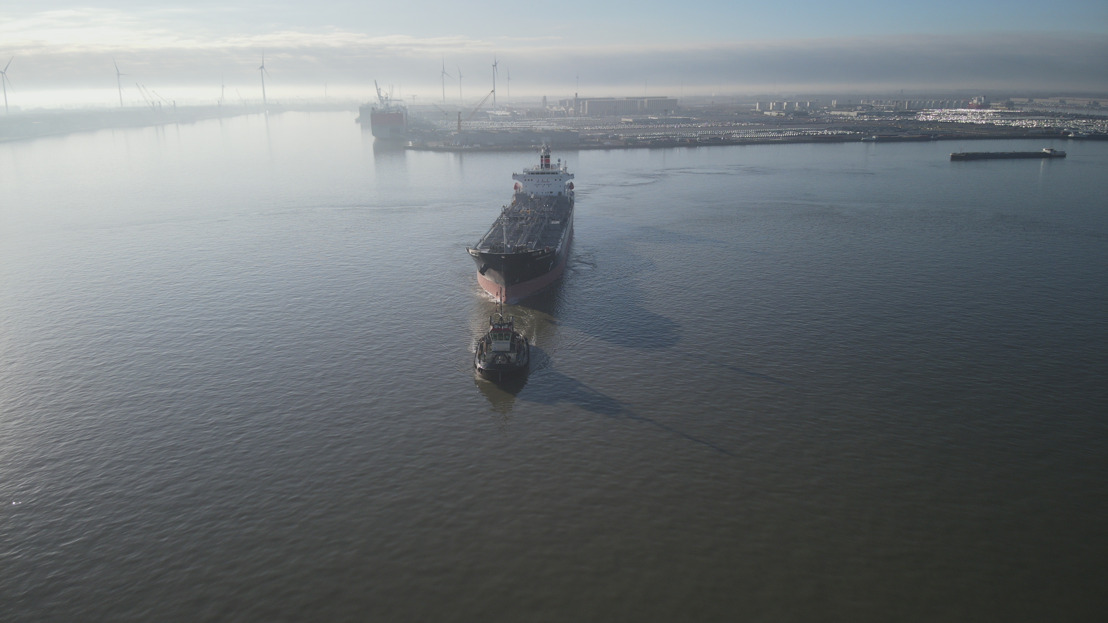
{"points": [[554, 48]]}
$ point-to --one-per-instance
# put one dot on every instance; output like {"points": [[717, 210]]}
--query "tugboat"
{"points": [[503, 352]]}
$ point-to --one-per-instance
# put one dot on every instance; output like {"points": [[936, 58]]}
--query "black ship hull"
{"points": [[526, 248], [512, 277]]}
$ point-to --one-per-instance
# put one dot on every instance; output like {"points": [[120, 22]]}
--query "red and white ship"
{"points": [[388, 120]]}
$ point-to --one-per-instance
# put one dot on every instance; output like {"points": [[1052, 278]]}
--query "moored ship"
{"points": [[388, 120], [526, 248]]}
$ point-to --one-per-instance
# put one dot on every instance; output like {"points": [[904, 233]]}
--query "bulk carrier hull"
{"points": [[512, 277], [386, 125], [388, 120], [527, 247]]}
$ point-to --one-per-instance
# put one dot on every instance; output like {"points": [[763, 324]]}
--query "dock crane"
{"points": [[474, 112]]}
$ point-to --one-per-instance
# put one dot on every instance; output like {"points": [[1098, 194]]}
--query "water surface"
{"points": [[797, 382]]}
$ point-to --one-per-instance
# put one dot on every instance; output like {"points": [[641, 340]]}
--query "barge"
{"points": [[1001, 155]]}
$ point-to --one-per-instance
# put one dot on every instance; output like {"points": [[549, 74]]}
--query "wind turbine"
{"points": [[459, 83], [508, 70], [494, 80], [5, 82], [263, 71], [118, 83], [444, 77]]}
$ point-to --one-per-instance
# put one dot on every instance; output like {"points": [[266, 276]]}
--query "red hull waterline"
{"points": [[519, 291]]}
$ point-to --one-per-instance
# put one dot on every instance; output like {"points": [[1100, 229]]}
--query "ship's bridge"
{"points": [[546, 179]]}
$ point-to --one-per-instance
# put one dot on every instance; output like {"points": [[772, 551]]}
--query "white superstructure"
{"points": [[546, 179]]}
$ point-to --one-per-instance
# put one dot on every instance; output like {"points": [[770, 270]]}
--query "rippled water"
{"points": [[797, 382]]}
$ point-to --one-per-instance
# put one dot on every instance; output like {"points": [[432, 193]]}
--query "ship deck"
{"points": [[527, 224]]}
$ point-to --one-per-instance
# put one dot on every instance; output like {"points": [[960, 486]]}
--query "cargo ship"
{"points": [[526, 248], [998, 155], [388, 120]]}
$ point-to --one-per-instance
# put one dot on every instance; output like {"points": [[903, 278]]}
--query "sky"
{"points": [[197, 51]]}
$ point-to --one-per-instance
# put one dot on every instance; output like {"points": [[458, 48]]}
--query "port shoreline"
{"points": [[693, 128], [736, 126], [784, 140]]}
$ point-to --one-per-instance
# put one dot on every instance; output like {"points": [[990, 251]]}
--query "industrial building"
{"points": [[515, 138], [619, 106]]}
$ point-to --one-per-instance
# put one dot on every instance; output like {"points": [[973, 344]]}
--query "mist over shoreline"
{"points": [[1032, 63]]}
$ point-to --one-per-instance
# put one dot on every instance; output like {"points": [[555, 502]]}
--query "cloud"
{"points": [[77, 47], [1003, 60]]}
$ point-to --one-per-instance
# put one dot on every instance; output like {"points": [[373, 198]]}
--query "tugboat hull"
{"points": [[498, 370], [502, 353]]}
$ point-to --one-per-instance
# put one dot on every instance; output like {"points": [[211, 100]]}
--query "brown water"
{"points": [[827, 382]]}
